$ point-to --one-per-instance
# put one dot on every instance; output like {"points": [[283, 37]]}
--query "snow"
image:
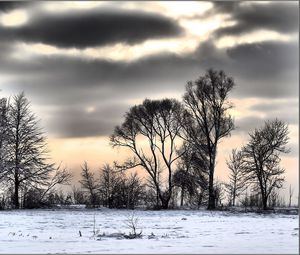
{"points": [[173, 231]]}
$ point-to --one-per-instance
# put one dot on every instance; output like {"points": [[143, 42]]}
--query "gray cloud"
{"points": [[279, 16], [73, 81], [269, 57], [267, 69], [248, 124], [286, 111], [6, 6], [81, 29], [73, 84], [263, 70], [70, 79], [288, 114], [270, 107], [78, 121], [66, 85]]}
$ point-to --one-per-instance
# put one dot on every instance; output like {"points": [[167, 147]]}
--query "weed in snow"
{"points": [[132, 223]]}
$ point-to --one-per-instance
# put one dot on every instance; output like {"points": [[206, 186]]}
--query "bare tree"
{"points": [[151, 132], [207, 103], [237, 183], [89, 183], [3, 134], [262, 157], [135, 190], [108, 183], [27, 157], [59, 176], [118, 190]]}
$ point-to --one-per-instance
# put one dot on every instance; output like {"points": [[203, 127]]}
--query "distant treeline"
{"points": [[175, 143]]}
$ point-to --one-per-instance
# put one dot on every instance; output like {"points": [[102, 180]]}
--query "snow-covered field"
{"points": [[179, 231]]}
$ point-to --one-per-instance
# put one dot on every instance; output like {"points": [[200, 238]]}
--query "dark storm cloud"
{"points": [[249, 16], [83, 29], [5, 49], [6, 6], [265, 70], [77, 121], [279, 16], [268, 69], [67, 86], [73, 84], [69, 79], [247, 124], [286, 111], [260, 70], [270, 107], [265, 59]]}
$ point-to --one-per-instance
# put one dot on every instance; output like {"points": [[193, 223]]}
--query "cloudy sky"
{"points": [[83, 64]]}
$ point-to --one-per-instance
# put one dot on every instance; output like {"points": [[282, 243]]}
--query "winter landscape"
{"points": [[149, 127], [175, 231]]}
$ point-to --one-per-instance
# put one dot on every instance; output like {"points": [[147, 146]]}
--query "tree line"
{"points": [[174, 143]]}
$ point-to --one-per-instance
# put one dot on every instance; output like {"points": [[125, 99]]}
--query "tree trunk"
{"points": [[265, 202], [157, 197], [165, 203], [264, 197], [16, 196], [211, 192], [164, 199], [233, 198]]}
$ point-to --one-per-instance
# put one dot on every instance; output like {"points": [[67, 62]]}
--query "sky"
{"points": [[84, 64]]}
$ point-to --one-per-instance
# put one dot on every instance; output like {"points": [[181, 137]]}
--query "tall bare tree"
{"points": [[89, 183], [3, 134], [262, 157], [26, 163], [151, 132], [237, 183], [206, 101]]}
